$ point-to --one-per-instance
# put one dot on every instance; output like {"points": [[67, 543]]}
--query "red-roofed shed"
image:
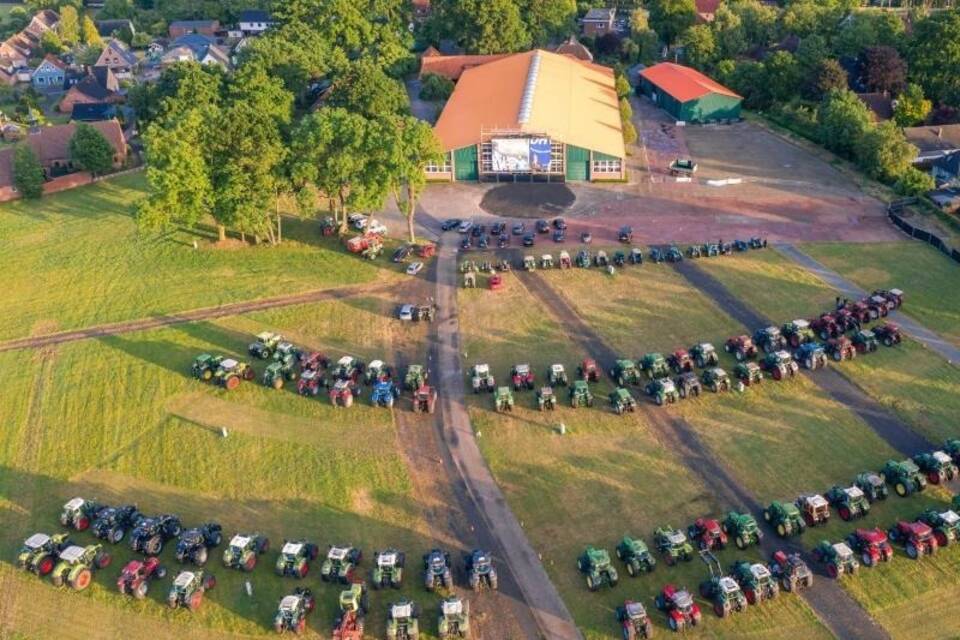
{"points": [[688, 95]]}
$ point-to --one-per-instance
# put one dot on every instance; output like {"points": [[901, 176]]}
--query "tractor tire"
{"points": [[659, 400], [845, 514], [683, 392], [153, 546], [302, 571], [57, 579], [866, 559], [705, 590], [720, 610], [781, 530], [115, 536], [206, 375], [674, 625], [314, 391], [695, 392], [102, 560], [140, 591], [933, 477], [631, 570], [777, 373], [809, 520], [278, 628], [941, 538], [45, 566], [172, 602], [591, 585], [301, 627], [277, 383], [231, 383], [838, 355], [901, 489], [160, 573], [751, 596], [250, 564], [832, 571], [740, 542], [200, 557], [82, 523], [196, 599], [82, 580]]}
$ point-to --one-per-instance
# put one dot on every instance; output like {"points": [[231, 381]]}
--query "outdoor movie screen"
{"points": [[511, 155]]}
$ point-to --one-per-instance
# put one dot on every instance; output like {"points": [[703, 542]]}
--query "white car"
{"points": [[359, 221], [465, 226], [405, 312], [377, 227], [414, 268]]}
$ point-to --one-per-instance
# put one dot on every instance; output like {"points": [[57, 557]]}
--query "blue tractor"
{"points": [[384, 394]]}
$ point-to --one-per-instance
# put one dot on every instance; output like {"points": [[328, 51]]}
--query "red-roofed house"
{"points": [[688, 95], [707, 9], [453, 67]]}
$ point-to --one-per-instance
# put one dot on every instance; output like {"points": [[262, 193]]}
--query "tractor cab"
{"points": [[529, 263], [37, 542], [377, 371], [565, 262], [546, 398], [291, 551], [797, 332], [78, 513], [558, 375], [865, 341], [481, 378], [522, 377], [265, 345], [228, 365], [704, 354], [815, 509], [454, 621], [183, 580], [424, 399], [769, 339], [589, 370], [601, 259], [546, 261], [742, 347], [636, 256]]}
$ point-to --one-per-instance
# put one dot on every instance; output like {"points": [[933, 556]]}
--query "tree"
{"points": [[911, 107], [857, 33], [629, 133], [843, 120], [116, 10], [90, 150], [759, 21], [826, 77], [699, 47], [626, 111], [639, 20], [484, 26], [548, 20], [50, 42], [749, 79], [69, 25], [728, 32], [805, 17], [91, 36], [411, 146], [884, 153], [782, 76], [884, 70], [914, 182], [812, 51], [27, 173], [608, 45], [435, 87], [649, 43], [365, 88], [670, 18], [934, 57], [622, 85]]}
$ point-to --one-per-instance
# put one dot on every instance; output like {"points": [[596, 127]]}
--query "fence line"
{"points": [[894, 209]]}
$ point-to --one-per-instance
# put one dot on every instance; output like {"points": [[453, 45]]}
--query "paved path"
{"points": [[552, 617], [932, 341]]}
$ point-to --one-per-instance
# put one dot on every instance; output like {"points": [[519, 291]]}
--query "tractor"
{"points": [[841, 348], [878, 306], [384, 394], [340, 564], [769, 339], [889, 334], [674, 254], [529, 263], [811, 355], [672, 544], [704, 355], [588, 370], [621, 401], [295, 558], [634, 553], [814, 508], [872, 545], [521, 375], [937, 465], [546, 261], [204, 365], [688, 385], [657, 255], [850, 502], [780, 365], [711, 249], [748, 373], [113, 523], [722, 590], [454, 619], [387, 568], [231, 372], [694, 251], [865, 341], [905, 476], [791, 570], [76, 564], [742, 527], [328, 226], [428, 312], [354, 605], [470, 280], [785, 518], [546, 400], [425, 399], [625, 372], [680, 361], [758, 243], [284, 368], [243, 550], [636, 256], [838, 558], [481, 378], [601, 259], [872, 485], [557, 376], [742, 348], [859, 311], [715, 379], [503, 399], [403, 621], [583, 259], [916, 537], [580, 394], [707, 534], [596, 566], [194, 544], [188, 589], [377, 371], [894, 297], [264, 346], [480, 570], [292, 611], [341, 394], [654, 365], [150, 534], [756, 581], [415, 377], [437, 573], [136, 575], [945, 525], [663, 391], [826, 326], [78, 513], [349, 368], [740, 245], [678, 604], [625, 235], [634, 621], [564, 261], [39, 552], [310, 383], [619, 259], [952, 447], [798, 333]]}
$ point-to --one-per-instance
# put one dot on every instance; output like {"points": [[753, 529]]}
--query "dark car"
{"points": [[401, 254], [626, 234], [586, 237], [502, 241], [482, 242], [543, 226], [528, 240], [465, 243], [478, 230], [559, 223], [497, 228], [450, 223], [518, 228], [559, 235]]}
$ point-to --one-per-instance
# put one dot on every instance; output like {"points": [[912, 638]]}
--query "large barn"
{"points": [[688, 95], [533, 116]]}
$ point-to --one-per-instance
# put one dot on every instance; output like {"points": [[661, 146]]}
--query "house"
{"points": [[946, 170], [421, 10], [879, 104], [22, 46], [111, 28], [933, 142], [688, 95], [254, 22], [195, 47], [49, 74], [452, 67], [42, 22], [574, 48], [180, 28], [598, 22], [118, 58], [706, 10], [100, 86]]}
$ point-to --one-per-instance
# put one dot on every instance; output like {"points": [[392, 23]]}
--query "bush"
{"points": [[435, 87], [28, 175], [914, 182]]}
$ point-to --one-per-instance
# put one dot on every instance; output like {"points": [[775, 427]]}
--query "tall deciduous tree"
{"points": [[884, 70], [69, 26], [411, 145], [912, 107], [27, 173], [670, 18], [548, 20], [699, 47], [364, 88], [843, 120], [90, 150], [492, 26], [884, 153], [935, 57], [827, 76], [91, 35]]}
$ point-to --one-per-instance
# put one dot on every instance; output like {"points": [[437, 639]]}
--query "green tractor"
{"points": [[704, 355], [76, 564], [204, 365], [785, 519], [284, 368], [952, 448], [749, 373], [937, 465], [742, 527], [403, 621], [230, 372], [850, 502], [621, 401], [79, 513], [625, 372], [945, 525], [596, 566], [503, 399], [905, 476], [634, 553], [481, 378], [769, 339], [39, 552], [756, 581], [243, 550], [340, 564], [780, 365], [580, 394], [838, 558], [872, 485], [295, 557], [264, 346], [546, 400], [655, 366], [293, 610], [722, 591], [415, 377], [188, 589], [798, 332], [673, 545], [663, 391], [557, 376], [715, 379], [454, 619], [354, 605], [387, 568], [865, 341]]}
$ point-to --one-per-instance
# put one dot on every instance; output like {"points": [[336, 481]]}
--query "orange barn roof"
{"points": [[568, 100], [683, 83]]}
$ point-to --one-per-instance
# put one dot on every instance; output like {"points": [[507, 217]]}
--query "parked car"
{"points": [[401, 254], [528, 240], [414, 268], [450, 223], [405, 312], [559, 223], [377, 227], [586, 237], [465, 243], [465, 226], [497, 228], [518, 228], [559, 235], [543, 226]]}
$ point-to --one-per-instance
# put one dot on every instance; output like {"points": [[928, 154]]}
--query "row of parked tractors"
{"points": [[71, 564], [313, 371], [752, 583]]}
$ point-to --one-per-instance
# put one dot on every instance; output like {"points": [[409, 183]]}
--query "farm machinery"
{"points": [[295, 558], [150, 534], [403, 621], [622, 401], [580, 394], [454, 619], [797, 333], [78, 513], [634, 621], [780, 365], [76, 564], [841, 348], [680, 361], [588, 370], [894, 297], [937, 465], [707, 534], [916, 537], [811, 355], [480, 570], [625, 372], [905, 476], [113, 523], [243, 550], [721, 590], [945, 525], [755, 580], [655, 366], [264, 345], [769, 339], [384, 394], [889, 334], [293, 610], [633, 552], [349, 622], [415, 377], [341, 394], [826, 326], [310, 382], [194, 544], [557, 376], [284, 368], [596, 566], [672, 544], [204, 365], [388, 568], [872, 485], [503, 399], [838, 558], [872, 545], [521, 376], [377, 371], [678, 604], [546, 399], [850, 502], [231, 372], [814, 508], [188, 589], [340, 564], [748, 373], [663, 391], [785, 519], [348, 368], [136, 575], [791, 570], [742, 348], [715, 379], [742, 527], [704, 355], [481, 379], [437, 573], [865, 341], [688, 385], [40, 551], [425, 399]]}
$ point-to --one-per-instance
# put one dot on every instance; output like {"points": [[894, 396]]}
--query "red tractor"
{"points": [[425, 399], [888, 334], [826, 326], [841, 349], [588, 370], [522, 377], [916, 537], [341, 394], [894, 297], [313, 361], [860, 311], [878, 305], [707, 533], [872, 545], [845, 319], [496, 282], [741, 347], [136, 575], [678, 604], [680, 361]]}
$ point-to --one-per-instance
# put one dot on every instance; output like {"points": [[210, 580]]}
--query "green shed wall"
{"points": [[711, 107], [578, 163], [465, 164]]}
